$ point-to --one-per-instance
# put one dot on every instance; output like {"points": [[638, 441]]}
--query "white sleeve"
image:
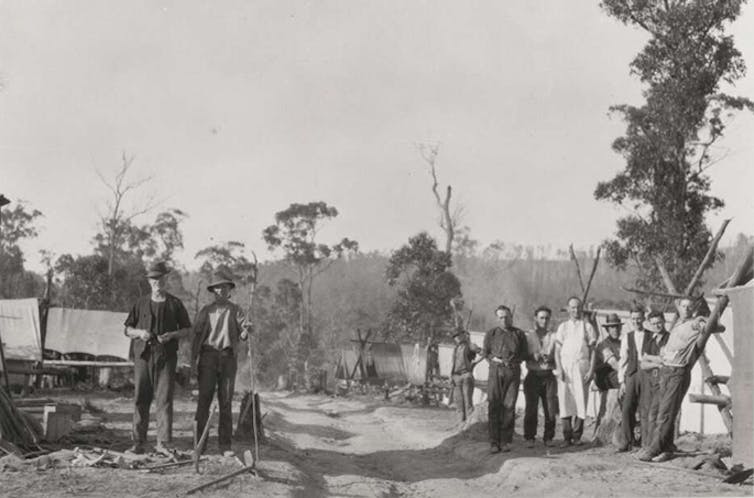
{"points": [[623, 360]]}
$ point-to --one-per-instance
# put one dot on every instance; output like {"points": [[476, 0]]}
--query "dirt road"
{"points": [[320, 446]]}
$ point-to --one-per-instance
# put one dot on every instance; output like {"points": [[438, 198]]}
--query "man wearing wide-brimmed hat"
{"points": [[462, 373], [608, 355], [218, 328], [155, 323]]}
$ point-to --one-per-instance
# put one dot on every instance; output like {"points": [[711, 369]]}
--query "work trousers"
{"points": [[540, 385], [463, 392], [217, 371], [630, 404], [673, 383], [154, 378], [650, 403], [502, 392], [573, 428]]}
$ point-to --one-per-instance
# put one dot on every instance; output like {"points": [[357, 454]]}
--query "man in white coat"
{"points": [[575, 342]]}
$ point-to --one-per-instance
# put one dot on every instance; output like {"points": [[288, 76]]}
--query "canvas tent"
{"points": [[381, 360], [20, 329], [99, 333]]}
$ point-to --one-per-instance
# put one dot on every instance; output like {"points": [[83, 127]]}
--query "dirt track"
{"points": [[334, 447]]}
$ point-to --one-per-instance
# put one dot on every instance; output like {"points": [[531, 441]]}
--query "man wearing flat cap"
{"points": [[218, 329], [462, 373], [155, 323]]}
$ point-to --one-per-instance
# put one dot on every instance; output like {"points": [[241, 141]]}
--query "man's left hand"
{"points": [[243, 335], [163, 338], [589, 376]]}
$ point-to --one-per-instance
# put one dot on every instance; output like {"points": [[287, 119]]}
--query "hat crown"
{"points": [[613, 319], [157, 269]]}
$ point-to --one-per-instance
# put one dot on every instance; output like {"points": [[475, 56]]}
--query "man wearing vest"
{"points": [[218, 328], [540, 383], [504, 349], [630, 379], [155, 323], [677, 358], [462, 373], [649, 363]]}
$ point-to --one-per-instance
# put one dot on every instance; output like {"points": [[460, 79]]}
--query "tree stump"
{"points": [[245, 427], [608, 420]]}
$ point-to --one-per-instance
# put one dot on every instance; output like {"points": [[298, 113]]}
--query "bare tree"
{"points": [[116, 221], [449, 219]]}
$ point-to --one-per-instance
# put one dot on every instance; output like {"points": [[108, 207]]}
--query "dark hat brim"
{"points": [[156, 274], [218, 283]]}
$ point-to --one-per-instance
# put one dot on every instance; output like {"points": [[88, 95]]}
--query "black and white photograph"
{"points": [[388, 248]]}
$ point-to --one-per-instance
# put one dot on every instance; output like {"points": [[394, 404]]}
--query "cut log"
{"points": [[710, 399], [717, 379]]}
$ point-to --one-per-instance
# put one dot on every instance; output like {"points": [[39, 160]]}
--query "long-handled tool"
{"points": [[199, 448], [252, 395], [249, 464]]}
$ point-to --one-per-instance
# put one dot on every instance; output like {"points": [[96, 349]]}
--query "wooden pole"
{"points": [[252, 385], [578, 268], [233, 474]]}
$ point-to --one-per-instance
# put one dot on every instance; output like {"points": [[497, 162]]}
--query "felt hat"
{"points": [[613, 320], [221, 278], [157, 269]]}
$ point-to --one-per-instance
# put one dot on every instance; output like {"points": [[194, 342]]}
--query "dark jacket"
{"points": [[508, 345], [470, 352], [175, 317], [236, 321]]}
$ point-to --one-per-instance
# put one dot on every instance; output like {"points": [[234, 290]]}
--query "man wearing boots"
{"points": [[504, 348], [462, 373], [155, 323], [575, 342], [540, 382], [218, 328], [629, 378]]}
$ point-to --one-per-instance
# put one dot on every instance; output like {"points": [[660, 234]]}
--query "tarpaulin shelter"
{"points": [[98, 333], [20, 329], [381, 360]]}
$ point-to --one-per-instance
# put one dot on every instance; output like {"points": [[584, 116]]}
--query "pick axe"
{"points": [[199, 448], [248, 466]]}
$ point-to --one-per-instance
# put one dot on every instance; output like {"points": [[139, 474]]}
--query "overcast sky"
{"points": [[238, 109]]}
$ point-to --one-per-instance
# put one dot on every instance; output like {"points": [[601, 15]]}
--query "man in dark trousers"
{"points": [[682, 349], [462, 373], [629, 379], [540, 382], [218, 328], [504, 348], [650, 364], [155, 323]]}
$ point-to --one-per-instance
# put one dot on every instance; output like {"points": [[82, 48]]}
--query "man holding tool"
{"points": [[218, 329]]}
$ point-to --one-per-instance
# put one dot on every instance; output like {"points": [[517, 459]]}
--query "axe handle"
{"points": [[203, 439]]}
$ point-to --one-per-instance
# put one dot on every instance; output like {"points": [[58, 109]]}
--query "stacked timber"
{"points": [[17, 433]]}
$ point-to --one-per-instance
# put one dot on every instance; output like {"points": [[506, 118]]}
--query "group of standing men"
{"points": [[650, 367], [155, 323]]}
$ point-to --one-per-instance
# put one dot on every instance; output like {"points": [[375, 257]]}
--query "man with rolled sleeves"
{"points": [[540, 383], [677, 357], [155, 323], [504, 348], [218, 329]]}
